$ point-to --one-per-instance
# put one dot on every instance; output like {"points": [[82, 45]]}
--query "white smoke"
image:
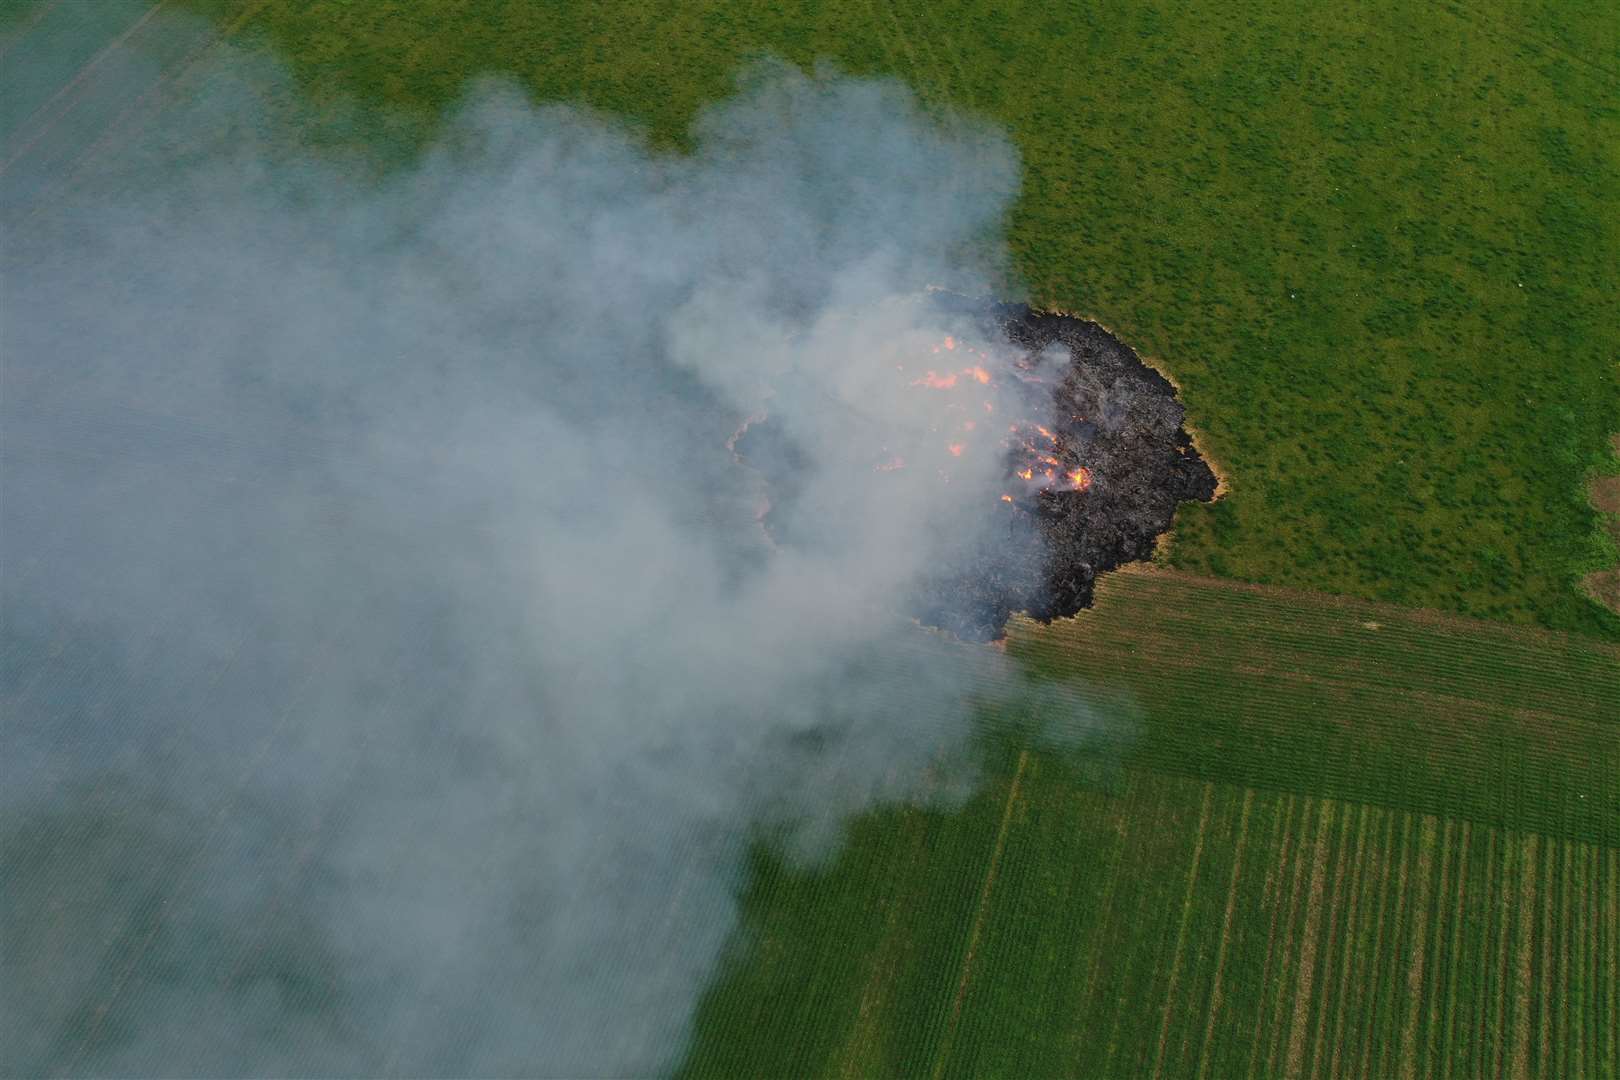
{"points": [[395, 671]]}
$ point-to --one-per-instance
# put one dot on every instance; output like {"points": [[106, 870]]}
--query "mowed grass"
{"points": [[1232, 891], [1357, 700], [1378, 245]]}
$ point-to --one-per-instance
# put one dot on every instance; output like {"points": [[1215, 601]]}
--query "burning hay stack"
{"points": [[1111, 416], [1095, 463]]}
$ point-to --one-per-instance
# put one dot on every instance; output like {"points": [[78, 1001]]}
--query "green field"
{"points": [[1378, 246], [1330, 850]]}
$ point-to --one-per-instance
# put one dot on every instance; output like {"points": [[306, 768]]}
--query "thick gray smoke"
{"points": [[395, 668]]}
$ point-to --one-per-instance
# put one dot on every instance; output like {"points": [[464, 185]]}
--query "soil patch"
{"points": [[1605, 492], [1604, 585]]}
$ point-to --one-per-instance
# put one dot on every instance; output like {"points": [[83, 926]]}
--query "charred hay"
{"points": [[1120, 419], [1109, 413]]}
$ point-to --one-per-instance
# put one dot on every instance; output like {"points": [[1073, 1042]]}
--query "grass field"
{"points": [[1378, 246], [1330, 850]]}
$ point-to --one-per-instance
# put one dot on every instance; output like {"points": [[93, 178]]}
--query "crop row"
{"points": [[1175, 927]]}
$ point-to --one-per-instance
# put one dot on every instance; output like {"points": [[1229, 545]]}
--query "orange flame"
{"points": [[1040, 467]]}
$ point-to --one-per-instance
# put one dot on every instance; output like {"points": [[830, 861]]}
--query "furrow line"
{"points": [[1181, 929], [1454, 953], [1417, 951], [1294, 1060], [1226, 935], [1519, 1067]]}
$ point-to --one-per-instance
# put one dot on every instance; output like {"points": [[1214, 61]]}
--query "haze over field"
{"points": [[394, 669]]}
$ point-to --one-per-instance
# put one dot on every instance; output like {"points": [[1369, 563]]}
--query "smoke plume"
{"points": [[395, 669]]}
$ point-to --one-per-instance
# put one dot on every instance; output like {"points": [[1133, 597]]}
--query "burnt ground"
{"points": [[1108, 412]]}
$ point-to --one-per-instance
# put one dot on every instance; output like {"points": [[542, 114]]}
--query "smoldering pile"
{"points": [[1094, 473]]}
